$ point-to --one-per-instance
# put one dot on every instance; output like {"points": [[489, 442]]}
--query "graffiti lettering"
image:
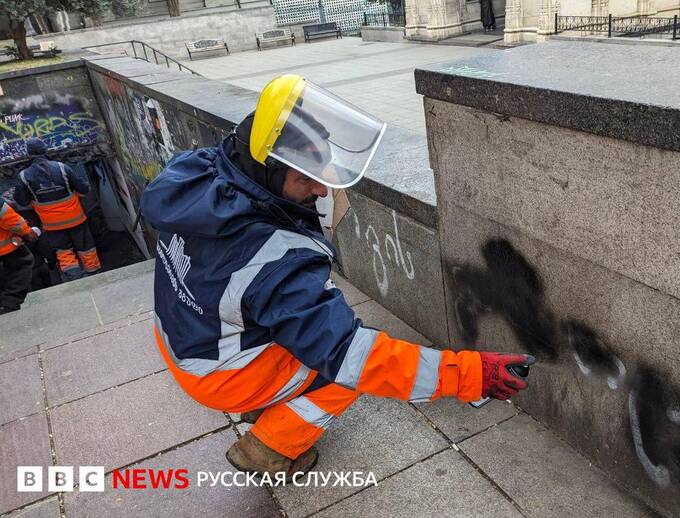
{"points": [[60, 121]]}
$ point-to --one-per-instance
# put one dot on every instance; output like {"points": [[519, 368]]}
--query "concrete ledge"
{"points": [[546, 83], [389, 34]]}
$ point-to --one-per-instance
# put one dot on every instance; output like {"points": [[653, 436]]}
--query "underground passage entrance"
{"points": [[103, 206]]}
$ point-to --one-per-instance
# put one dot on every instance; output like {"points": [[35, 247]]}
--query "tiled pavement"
{"points": [[102, 396], [375, 76]]}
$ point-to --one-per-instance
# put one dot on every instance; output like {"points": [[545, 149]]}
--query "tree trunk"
{"points": [[173, 7], [18, 32]]}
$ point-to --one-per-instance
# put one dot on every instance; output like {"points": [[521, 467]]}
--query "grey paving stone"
{"points": [[353, 295], [89, 283], [124, 298], [46, 509], [206, 454], [48, 320], [374, 315], [544, 476], [13, 355], [459, 421], [97, 330], [378, 435], [127, 423], [24, 442], [444, 485], [93, 364], [20, 388]]}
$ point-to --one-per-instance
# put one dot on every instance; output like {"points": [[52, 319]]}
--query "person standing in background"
{"points": [[54, 190]]}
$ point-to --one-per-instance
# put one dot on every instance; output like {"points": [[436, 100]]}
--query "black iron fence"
{"points": [[384, 19], [140, 50], [623, 26]]}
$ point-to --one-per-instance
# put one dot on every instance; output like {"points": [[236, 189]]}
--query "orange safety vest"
{"points": [[58, 214], [11, 224]]}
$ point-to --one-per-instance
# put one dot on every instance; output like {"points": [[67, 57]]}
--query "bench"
{"points": [[46, 48], [205, 46], [274, 36], [321, 30]]}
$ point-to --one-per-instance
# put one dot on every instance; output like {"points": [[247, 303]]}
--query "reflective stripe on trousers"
{"points": [[272, 376], [274, 380], [90, 260]]}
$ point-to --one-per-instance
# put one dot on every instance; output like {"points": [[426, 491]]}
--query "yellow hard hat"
{"points": [[313, 131]]}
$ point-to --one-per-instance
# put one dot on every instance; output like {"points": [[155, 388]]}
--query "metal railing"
{"points": [[625, 26], [384, 19], [141, 50]]}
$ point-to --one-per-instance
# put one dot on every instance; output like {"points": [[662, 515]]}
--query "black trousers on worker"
{"points": [[75, 249], [15, 281]]}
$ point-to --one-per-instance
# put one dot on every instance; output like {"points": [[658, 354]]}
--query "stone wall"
{"points": [[54, 103], [558, 222], [169, 35], [434, 20]]}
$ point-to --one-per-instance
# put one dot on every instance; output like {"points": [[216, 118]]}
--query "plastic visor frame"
{"points": [[336, 185]]}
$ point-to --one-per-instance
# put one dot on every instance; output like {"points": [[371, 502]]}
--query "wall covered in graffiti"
{"points": [[57, 106], [146, 133], [607, 336]]}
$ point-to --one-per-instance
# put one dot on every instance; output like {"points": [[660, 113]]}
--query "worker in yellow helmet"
{"points": [[246, 315]]}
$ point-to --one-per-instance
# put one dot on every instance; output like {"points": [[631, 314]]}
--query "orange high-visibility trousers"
{"points": [[290, 424]]}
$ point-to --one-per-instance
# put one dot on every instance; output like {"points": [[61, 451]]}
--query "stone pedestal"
{"points": [[557, 179]]}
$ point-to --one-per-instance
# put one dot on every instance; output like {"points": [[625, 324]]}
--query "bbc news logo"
{"points": [[91, 478], [60, 478]]}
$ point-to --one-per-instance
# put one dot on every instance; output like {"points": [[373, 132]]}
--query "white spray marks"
{"points": [[616, 382], [659, 474], [397, 255]]}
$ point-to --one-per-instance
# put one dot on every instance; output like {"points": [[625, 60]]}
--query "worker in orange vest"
{"points": [[15, 258], [54, 191]]}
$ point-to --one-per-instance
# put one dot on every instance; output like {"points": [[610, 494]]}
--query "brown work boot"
{"points": [[252, 416], [250, 455]]}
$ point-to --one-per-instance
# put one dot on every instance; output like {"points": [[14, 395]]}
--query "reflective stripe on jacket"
{"points": [[11, 224], [48, 185], [240, 271]]}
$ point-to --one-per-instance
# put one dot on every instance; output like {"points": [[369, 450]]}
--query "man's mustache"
{"points": [[309, 201]]}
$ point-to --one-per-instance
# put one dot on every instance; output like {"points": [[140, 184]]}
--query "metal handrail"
{"points": [[145, 57]]}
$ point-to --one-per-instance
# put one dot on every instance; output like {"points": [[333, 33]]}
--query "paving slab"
{"points": [[124, 298], [444, 485], [379, 435], [128, 423], [97, 330], [458, 421], [544, 476], [13, 355], [93, 364], [206, 454], [20, 388], [374, 315], [353, 295], [24, 442], [47, 320], [46, 509]]}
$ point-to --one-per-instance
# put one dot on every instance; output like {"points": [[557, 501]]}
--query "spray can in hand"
{"points": [[519, 370]]}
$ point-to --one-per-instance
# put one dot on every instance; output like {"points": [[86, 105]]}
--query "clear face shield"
{"points": [[326, 138]]}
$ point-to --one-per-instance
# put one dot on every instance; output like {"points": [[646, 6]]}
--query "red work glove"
{"points": [[497, 381]]}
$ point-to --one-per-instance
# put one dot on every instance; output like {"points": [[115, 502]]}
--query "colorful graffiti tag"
{"points": [[59, 120]]}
